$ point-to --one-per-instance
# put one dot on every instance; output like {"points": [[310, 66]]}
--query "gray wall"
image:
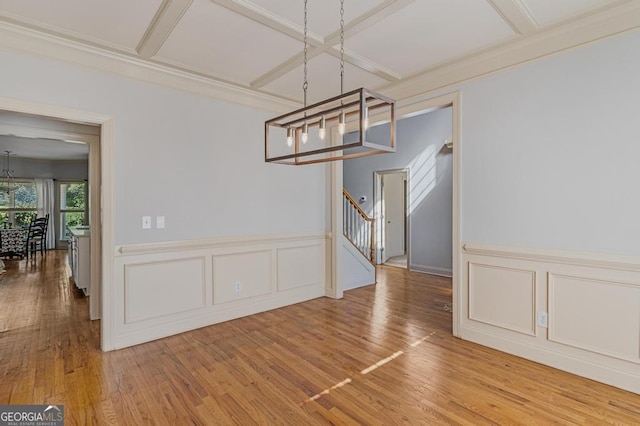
{"points": [[549, 153], [195, 160], [420, 141], [53, 169]]}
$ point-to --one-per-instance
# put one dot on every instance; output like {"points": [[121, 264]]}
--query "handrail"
{"points": [[355, 204], [359, 228]]}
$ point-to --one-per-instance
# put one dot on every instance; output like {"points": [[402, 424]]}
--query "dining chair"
{"points": [[44, 223], [35, 239]]}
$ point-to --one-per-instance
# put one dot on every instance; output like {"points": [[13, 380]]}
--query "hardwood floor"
{"points": [[382, 355]]}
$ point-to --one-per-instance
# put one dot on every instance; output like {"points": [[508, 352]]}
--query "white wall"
{"points": [[420, 142], [196, 161], [550, 149], [549, 211]]}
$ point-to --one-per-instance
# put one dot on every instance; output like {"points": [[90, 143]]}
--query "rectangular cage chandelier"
{"points": [[355, 124], [302, 137]]}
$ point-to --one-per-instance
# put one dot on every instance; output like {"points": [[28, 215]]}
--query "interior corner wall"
{"points": [[420, 148], [549, 212]]}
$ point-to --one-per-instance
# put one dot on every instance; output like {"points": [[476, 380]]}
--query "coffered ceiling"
{"points": [[256, 46]]}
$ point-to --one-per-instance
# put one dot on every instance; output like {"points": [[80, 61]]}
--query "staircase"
{"points": [[358, 228]]}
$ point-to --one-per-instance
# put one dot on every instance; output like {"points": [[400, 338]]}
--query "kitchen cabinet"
{"points": [[79, 251]]}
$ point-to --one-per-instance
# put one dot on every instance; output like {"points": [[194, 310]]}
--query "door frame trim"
{"points": [[407, 108], [101, 220], [377, 210]]}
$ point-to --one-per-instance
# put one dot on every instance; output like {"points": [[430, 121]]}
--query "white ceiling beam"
{"points": [[368, 19], [268, 19], [359, 24], [366, 64], [516, 15], [349, 57], [283, 68], [165, 20]]}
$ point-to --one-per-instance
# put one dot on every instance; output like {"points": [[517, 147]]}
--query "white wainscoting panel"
{"points": [[251, 270], [171, 287], [503, 297], [592, 301], [156, 289], [606, 321], [293, 266]]}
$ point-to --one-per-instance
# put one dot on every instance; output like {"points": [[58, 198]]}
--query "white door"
{"points": [[393, 214]]}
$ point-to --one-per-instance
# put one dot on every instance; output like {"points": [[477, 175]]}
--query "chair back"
{"points": [[42, 223], [37, 227]]}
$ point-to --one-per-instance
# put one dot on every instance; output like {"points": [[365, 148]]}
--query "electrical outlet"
{"points": [[542, 319], [146, 222], [160, 222], [237, 286]]}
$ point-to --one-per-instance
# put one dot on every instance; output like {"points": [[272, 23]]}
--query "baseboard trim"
{"points": [[216, 315], [574, 365], [358, 285], [441, 272]]}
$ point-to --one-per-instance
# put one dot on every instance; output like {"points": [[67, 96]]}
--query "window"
{"points": [[72, 206], [19, 206]]}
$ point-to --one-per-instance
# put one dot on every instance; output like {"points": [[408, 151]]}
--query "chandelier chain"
{"points": [[305, 85], [337, 123], [341, 46]]}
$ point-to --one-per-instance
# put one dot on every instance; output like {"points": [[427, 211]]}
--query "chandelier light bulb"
{"points": [[366, 118], [289, 137], [322, 128], [342, 122], [305, 132]]}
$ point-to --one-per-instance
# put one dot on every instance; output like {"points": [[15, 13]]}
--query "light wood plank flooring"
{"points": [[383, 355]]}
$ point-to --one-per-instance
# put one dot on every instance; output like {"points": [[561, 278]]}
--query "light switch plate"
{"points": [[160, 222], [146, 222]]}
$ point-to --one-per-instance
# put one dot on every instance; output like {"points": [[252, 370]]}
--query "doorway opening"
{"points": [[391, 217], [61, 158], [100, 202], [424, 172]]}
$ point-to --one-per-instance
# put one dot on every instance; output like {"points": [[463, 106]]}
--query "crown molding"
{"points": [[49, 45], [587, 28], [614, 19]]}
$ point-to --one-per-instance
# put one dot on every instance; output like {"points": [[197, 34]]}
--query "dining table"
{"points": [[12, 242]]}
